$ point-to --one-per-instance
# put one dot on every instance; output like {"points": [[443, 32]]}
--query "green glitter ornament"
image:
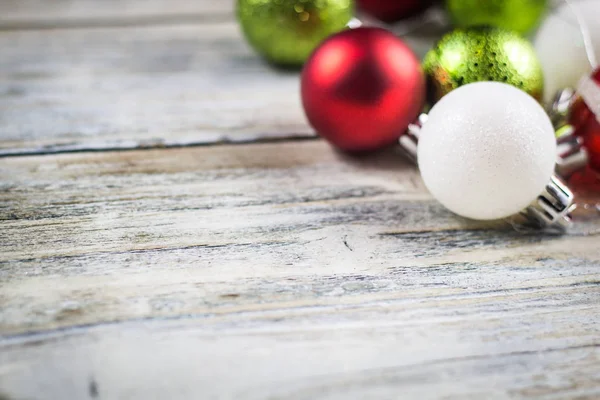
{"points": [[518, 15], [286, 32], [482, 54]]}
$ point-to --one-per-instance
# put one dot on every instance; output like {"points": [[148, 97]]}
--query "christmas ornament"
{"points": [[487, 151], [392, 11], [517, 15], [586, 185], [560, 45], [285, 32], [578, 121], [585, 117], [361, 88], [482, 54]]}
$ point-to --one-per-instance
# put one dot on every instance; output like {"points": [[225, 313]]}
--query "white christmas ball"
{"points": [[560, 46], [487, 150]]}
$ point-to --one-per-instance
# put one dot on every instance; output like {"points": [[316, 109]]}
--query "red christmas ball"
{"points": [[392, 10], [585, 118], [361, 88]]}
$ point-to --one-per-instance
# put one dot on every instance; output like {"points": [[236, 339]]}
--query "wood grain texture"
{"points": [[250, 271], [40, 14], [105, 88], [280, 270]]}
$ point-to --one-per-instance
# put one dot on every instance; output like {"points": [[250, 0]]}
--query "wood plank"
{"points": [[117, 88], [279, 270], [411, 354], [228, 214], [39, 14]]}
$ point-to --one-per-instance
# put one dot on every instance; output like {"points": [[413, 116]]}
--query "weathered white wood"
{"points": [[495, 347], [28, 14], [273, 270], [280, 270], [227, 213], [149, 86]]}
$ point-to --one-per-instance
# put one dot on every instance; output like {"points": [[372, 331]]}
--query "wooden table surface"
{"points": [[170, 228]]}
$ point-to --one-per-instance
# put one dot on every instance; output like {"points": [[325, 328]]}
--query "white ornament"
{"points": [[487, 150], [560, 45]]}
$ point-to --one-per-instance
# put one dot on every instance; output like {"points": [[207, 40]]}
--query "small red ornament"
{"points": [[392, 10], [585, 181], [361, 88], [585, 117]]}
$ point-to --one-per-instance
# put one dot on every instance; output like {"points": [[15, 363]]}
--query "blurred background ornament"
{"points": [[561, 47], [285, 32], [392, 10], [585, 117], [577, 116], [361, 88], [584, 123], [518, 15], [482, 54], [487, 151]]}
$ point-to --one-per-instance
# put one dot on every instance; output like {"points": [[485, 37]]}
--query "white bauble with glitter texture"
{"points": [[560, 46], [487, 150]]}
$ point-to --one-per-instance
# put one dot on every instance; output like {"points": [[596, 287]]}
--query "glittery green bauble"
{"points": [[287, 31], [482, 54], [518, 15]]}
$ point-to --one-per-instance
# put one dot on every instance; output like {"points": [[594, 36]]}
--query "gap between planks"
{"points": [[240, 139]]}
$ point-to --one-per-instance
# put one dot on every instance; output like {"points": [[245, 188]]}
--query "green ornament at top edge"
{"points": [[286, 32], [518, 15]]}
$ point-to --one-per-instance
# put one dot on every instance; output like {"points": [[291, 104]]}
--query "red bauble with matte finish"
{"points": [[392, 10], [361, 88]]}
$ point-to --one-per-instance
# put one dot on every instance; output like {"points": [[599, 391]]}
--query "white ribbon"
{"points": [[589, 91]]}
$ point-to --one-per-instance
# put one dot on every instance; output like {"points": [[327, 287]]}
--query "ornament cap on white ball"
{"points": [[488, 150]]}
